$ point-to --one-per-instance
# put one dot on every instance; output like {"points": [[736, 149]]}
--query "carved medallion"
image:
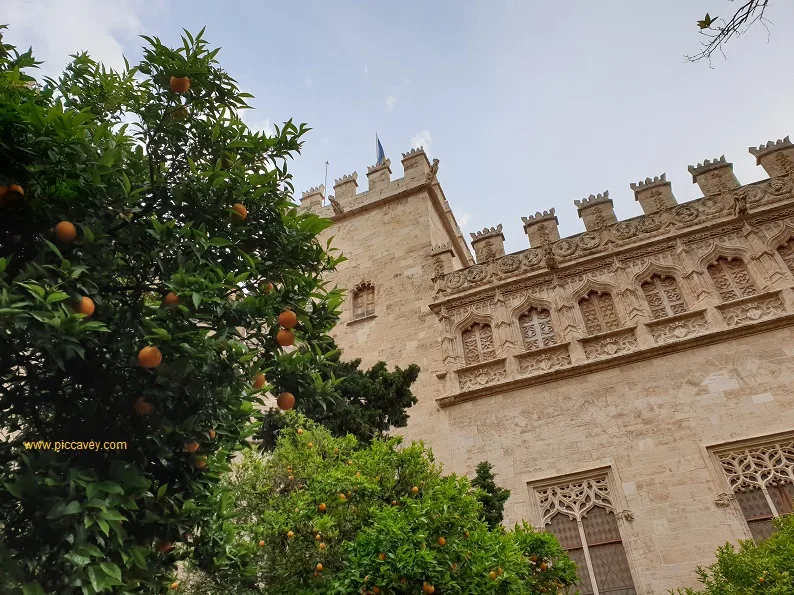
{"points": [[476, 273], [564, 248], [589, 241], [753, 194], [685, 213], [509, 264], [779, 186], [455, 280], [625, 230], [532, 257], [711, 205], [650, 223]]}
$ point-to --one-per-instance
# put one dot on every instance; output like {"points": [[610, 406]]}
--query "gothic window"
{"points": [[762, 481], [581, 516], [536, 329], [786, 252], [363, 300], [731, 279], [478, 345], [663, 296], [599, 313]]}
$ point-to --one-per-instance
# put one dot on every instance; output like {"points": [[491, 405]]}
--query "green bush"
{"points": [[151, 204], [378, 519], [766, 567]]}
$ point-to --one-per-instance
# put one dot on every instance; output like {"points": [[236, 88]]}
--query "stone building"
{"points": [[633, 384]]}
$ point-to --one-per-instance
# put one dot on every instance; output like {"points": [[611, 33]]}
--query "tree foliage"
{"points": [[327, 515], [149, 177], [364, 403], [766, 567], [491, 496]]}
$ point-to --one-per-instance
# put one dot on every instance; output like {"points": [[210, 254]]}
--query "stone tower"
{"points": [[633, 385]]}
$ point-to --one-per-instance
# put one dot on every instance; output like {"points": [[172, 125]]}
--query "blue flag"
{"points": [[379, 150]]}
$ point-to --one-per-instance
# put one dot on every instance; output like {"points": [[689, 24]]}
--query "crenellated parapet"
{"points": [[776, 157], [312, 199], [714, 176], [596, 211], [345, 187], [541, 228], [654, 194], [488, 244]]}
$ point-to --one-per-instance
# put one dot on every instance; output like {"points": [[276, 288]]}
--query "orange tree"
{"points": [[149, 248], [325, 515]]}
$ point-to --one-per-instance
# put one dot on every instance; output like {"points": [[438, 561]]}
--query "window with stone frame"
{"points": [[731, 278], [761, 479], [581, 515], [598, 310], [663, 296], [786, 252], [537, 330], [363, 300], [478, 343]]}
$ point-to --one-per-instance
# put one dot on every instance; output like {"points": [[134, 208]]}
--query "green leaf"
{"points": [[137, 554], [126, 183], [57, 296], [54, 249], [78, 559], [32, 589], [111, 570], [72, 508], [110, 487], [161, 491], [112, 515], [104, 526], [90, 550], [13, 490], [196, 299]]}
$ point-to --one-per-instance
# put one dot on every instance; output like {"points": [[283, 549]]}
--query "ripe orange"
{"points": [[149, 357], [259, 381], [164, 546], [261, 543], [191, 446], [310, 445], [322, 546], [285, 337], [382, 557], [441, 541], [394, 502], [415, 490], [170, 299], [85, 306], [427, 588], [174, 586], [321, 508], [317, 537], [199, 463], [492, 575], [65, 232], [286, 401], [288, 319], [291, 477], [543, 566], [143, 407], [266, 287], [290, 534], [300, 431], [180, 84], [16, 188], [376, 590], [212, 434], [319, 567], [240, 212]]}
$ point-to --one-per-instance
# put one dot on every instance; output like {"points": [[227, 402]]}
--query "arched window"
{"points": [[363, 300], [663, 296], [478, 343], [599, 313], [731, 278], [786, 252], [536, 329]]}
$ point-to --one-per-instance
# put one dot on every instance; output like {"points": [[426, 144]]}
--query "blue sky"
{"points": [[527, 105]]}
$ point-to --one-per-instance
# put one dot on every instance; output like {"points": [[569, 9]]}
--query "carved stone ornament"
{"points": [[779, 186], [532, 258], [610, 346], [476, 273], [553, 358], [755, 310], [438, 266], [625, 230], [650, 223], [759, 467], [455, 280], [712, 205], [564, 248], [724, 499], [509, 264], [589, 240], [482, 375], [667, 332], [685, 213], [575, 499], [626, 515]]}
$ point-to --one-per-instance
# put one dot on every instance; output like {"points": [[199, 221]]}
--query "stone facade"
{"points": [[622, 381]]}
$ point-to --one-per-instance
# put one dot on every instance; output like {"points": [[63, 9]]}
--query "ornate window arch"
{"points": [[663, 295], [731, 278], [581, 514], [786, 252], [598, 311], [537, 329], [478, 343], [363, 300]]}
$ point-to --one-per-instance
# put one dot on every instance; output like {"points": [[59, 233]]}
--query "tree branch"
{"points": [[745, 17]]}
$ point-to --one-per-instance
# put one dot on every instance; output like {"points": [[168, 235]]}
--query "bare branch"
{"points": [[745, 17]]}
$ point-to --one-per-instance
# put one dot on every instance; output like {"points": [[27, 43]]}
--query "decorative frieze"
{"points": [[752, 309], [544, 360], [676, 328], [479, 375], [610, 344]]}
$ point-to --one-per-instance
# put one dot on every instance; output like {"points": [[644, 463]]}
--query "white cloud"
{"points": [[391, 101], [423, 139], [366, 71], [308, 82], [58, 29], [249, 116], [463, 220]]}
